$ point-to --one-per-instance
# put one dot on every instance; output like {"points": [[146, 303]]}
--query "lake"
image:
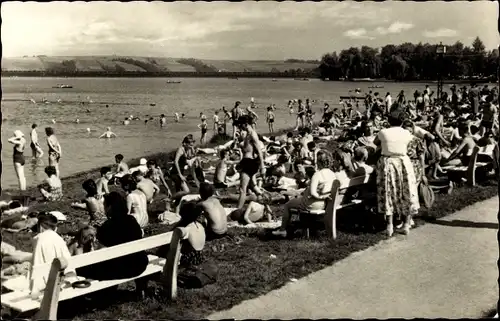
{"points": [[83, 151]]}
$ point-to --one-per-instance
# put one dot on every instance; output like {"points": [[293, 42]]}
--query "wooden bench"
{"points": [[55, 291], [469, 172], [341, 197]]}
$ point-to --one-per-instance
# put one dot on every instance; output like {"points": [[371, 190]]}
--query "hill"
{"points": [[151, 65]]}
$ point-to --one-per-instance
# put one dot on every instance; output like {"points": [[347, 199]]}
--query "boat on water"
{"points": [[174, 81], [62, 86], [275, 79], [376, 86], [302, 79]]}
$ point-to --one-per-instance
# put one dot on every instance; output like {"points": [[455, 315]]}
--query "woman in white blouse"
{"points": [[397, 191], [318, 191]]}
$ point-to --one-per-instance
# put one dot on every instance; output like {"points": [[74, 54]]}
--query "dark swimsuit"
{"points": [[249, 166], [18, 157], [54, 154]]}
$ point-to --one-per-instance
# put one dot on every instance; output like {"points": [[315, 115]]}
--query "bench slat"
{"points": [[21, 300]]}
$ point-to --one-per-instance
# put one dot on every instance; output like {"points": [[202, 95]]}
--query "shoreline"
{"points": [[161, 158]]}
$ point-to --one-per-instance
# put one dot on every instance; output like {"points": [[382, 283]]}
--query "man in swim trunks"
{"points": [[252, 161], [108, 133], [235, 115], [146, 186], [36, 149]]}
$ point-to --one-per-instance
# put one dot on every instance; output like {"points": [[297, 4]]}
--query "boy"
{"points": [[216, 217], [103, 181], [146, 186], [220, 179], [204, 128], [216, 120], [270, 119], [359, 164], [121, 166]]}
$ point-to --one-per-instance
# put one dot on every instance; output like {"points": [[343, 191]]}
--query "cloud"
{"points": [[396, 27], [359, 33], [440, 33]]}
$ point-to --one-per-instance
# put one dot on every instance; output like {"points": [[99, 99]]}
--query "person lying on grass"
{"points": [[213, 211], [146, 186], [51, 189], [20, 261], [93, 205], [256, 211]]}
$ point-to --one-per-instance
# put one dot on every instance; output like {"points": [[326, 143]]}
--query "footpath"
{"points": [[444, 269]]}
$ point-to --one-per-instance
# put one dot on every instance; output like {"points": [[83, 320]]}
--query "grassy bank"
{"points": [[246, 268]]}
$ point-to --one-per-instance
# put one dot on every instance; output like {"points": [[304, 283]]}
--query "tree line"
{"points": [[410, 61]]}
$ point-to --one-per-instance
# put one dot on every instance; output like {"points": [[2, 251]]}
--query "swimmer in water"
{"points": [[176, 116], [183, 115], [163, 121], [53, 121], [108, 134], [126, 121], [88, 130], [77, 121]]}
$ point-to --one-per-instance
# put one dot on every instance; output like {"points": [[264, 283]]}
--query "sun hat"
{"points": [[18, 133], [143, 161]]}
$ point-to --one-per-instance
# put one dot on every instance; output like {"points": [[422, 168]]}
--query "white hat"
{"points": [[143, 161], [18, 133], [60, 216]]}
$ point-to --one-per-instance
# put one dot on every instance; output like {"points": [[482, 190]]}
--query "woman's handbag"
{"points": [[426, 195]]}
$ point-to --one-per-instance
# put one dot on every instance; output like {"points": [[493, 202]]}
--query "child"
{"points": [[121, 166], [83, 242], [270, 119], [220, 178], [214, 213], [216, 120], [204, 128], [359, 164], [103, 181], [52, 188]]}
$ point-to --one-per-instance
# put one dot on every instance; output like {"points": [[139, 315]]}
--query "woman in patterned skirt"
{"points": [[397, 190]]}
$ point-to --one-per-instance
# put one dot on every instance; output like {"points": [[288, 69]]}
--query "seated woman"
{"points": [[118, 229], [319, 190], [52, 187], [461, 155], [155, 174], [94, 206], [192, 248]]}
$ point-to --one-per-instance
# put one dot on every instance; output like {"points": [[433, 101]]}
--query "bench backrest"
{"points": [[471, 169], [342, 195], [105, 254], [345, 194]]}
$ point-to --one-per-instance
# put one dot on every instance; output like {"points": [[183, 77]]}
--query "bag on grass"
{"points": [[196, 277], [426, 195]]}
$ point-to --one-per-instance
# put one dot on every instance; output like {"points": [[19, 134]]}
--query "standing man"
{"points": [[36, 149]]}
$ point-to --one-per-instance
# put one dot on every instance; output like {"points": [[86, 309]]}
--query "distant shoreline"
{"points": [[229, 75]]}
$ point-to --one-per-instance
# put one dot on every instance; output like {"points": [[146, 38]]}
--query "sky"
{"points": [[239, 30]]}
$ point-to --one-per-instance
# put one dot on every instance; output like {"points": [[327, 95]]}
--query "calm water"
{"points": [[83, 151]]}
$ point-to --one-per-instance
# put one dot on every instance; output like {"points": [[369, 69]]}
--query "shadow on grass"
{"points": [[462, 223]]}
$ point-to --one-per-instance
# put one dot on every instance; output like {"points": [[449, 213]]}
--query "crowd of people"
{"points": [[404, 143]]}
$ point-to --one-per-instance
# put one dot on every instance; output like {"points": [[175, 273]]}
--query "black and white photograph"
{"points": [[194, 160]]}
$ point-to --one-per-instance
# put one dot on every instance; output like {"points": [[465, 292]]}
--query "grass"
{"points": [[246, 269]]}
